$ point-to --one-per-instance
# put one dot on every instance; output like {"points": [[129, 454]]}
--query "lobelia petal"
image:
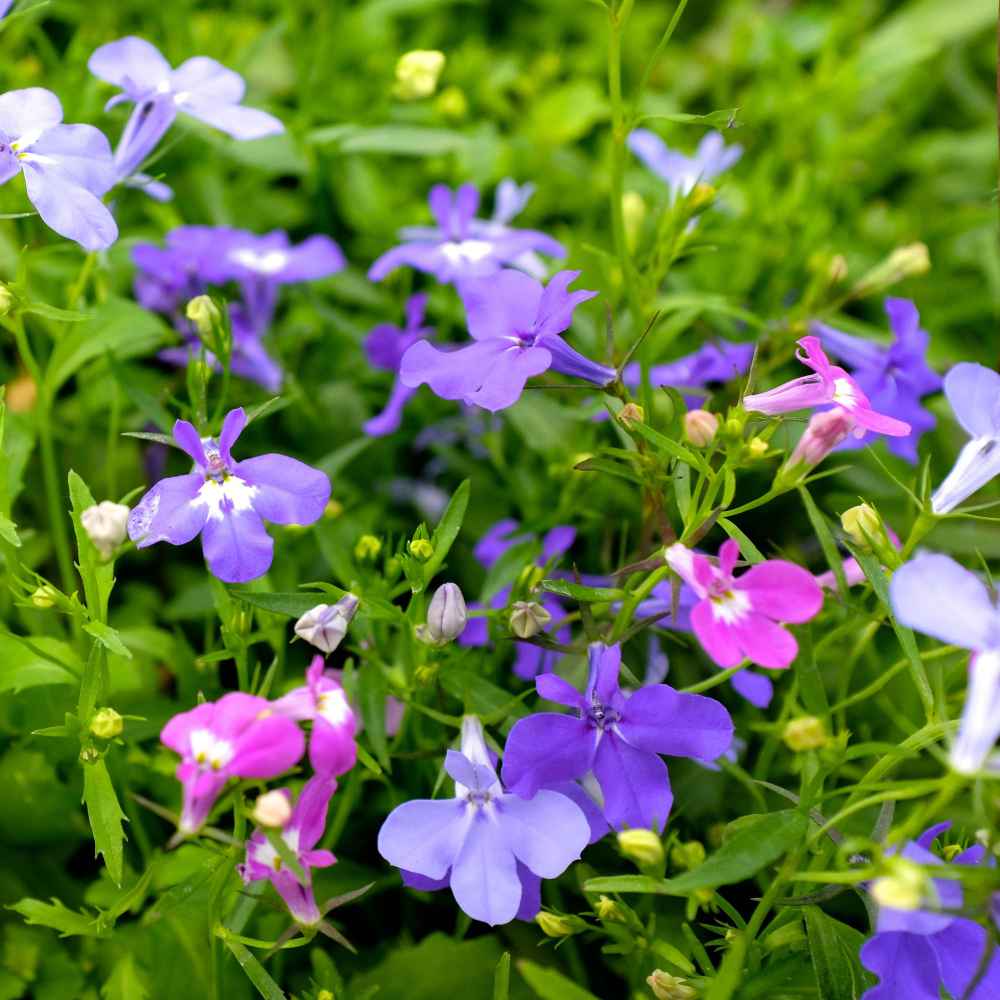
{"points": [[189, 440], [978, 462], [24, 112], [659, 719], [757, 689], [980, 725], [209, 79], [424, 256], [717, 637], [267, 747], [547, 833], [464, 207], [960, 949], [935, 595], [782, 590], [424, 836], [546, 748], [168, 512], [973, 392], [288, 491], [636, 785], [475, 777], [605, 663], [309, 816], [484, 876], [855, 351], [531, 893], [552, 687], [424, 884], [440, 200], [80, 154], [232, 428], [233, 119], [574, 791], [569, 361], [68, 209], [555, 310], [131, 63], [905, 966], [146, 126], [236, 546], [765, 642], [503, 305], [388, 421], [314, 258]]}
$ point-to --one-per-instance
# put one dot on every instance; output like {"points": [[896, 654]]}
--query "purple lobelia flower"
{"points": [[717, 361], [681, 172], [5, 6], [974, 394], [385, 346], [323, 702], [238, 736], [916, 951], [227, 502], [301, 834], [461, 246], [755, 688], [509, 201], [200, 87], [935, 595], [66, 167], [894, 378], [516, 324], [619, 737], [484, 838]]}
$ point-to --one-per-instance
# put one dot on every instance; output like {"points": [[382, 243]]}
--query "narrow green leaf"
{"points": [[255, 972], [501, 978], [672, 448], [749, 551], [447, 530], [549, 984], [371, 701], [108, 637], [105, 816], [58, 917], [834, 949], [126, 982], [826, 540], [36, 662], [587, 595]]}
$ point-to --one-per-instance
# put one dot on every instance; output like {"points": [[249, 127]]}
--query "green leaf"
{"points": [[826, 541], [671, 448], [119, 327], [723, 118], [447, 530], [507, 568], [36, 662], [256, 972], [501, 978], [758, 842], [8, 531], [398, 140], [58, 917], [98, 576], [295, 605], [105, 816], [108, 637], [125, 982], [748, 550], [480, 696], [586, 595], [335, 462], [549, 984], [834, 949], [371, 701]]}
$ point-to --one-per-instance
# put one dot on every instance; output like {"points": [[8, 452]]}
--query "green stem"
{"points": [[634, 600], [715, 680]]}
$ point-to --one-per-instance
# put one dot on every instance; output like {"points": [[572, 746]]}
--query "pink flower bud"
{"points": [[272, 810], [824, 432], [700, 427]]}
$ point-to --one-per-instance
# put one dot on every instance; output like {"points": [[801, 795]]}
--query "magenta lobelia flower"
{"points": [[227, 502], [515, 324], [301, 834], [238, 736], [385, 346], [66, 167], [200, 87], [461, 246], [491, 846], [617, 736], [323, 702], [738, 618], [935, 595], [829, 385]]}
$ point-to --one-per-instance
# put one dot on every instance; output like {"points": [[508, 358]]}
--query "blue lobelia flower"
{"points": [[461, 246], [974, 394], [894, 378], [515, 324], [681, 172], [227, 502], [935, 595], [489, 846], [617, 736], [200, 87], [66, 167]]}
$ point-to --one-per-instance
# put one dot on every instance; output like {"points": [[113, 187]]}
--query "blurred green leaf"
{"points": [[105, 816], [834, 949], [549, 984], [58, 917]]}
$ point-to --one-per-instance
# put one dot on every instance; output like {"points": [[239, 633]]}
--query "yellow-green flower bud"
{"points": [[528, 618], [608, 909], [701, 197], [44, 596], [668, 987], [452, 103], [904, 888], [417, 74], [555, 926], [642, 846], [204, 314], [633, 216], [631, 413], [687, 855], [368, 547], [805, 733], [862, 525], [757, 447], [106, 724], [837, 270], [421, 549]]}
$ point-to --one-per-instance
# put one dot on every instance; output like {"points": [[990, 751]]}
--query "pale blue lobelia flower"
{"points": [[681, 173], [66, 167], [935, 595], [974, 394]]}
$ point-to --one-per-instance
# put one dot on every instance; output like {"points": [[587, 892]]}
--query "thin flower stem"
{"points": [[655, 57], [715, 680], [634, 600]]}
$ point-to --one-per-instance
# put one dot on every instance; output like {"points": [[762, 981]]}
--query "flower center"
{"points": [[268, 263], [208, 749], [730, 606], [332, 705], [844, 392], [225, 495], [466, 251], [603, 716]]}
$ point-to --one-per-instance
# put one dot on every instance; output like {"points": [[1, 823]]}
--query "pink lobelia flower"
{"points": [[738, 619], [828, 385], [323, 701], [238, 736], [301, 833]]}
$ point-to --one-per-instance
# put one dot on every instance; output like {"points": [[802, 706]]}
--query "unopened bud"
{"points": [[528, 618], [6, 299], [642, 846], [446, 616], [272, 810], [106, 724], [555, 926], [837, 270], [421, 549], [608, 909], [21, 393], [325, 625], [44, 596], [368, 547], [701, 197], [333, 509], [757, 447], [426, 672], [687, 855], [452, 103], [631, 413], [633, 216], [904, 888], [530, 577], [204, 314], [733, 428], [700, 427], [823, 433], [804, 733], [904, 262], [862, 525], [417, 74], [325, 995], [668, 987], [105, 524]]}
